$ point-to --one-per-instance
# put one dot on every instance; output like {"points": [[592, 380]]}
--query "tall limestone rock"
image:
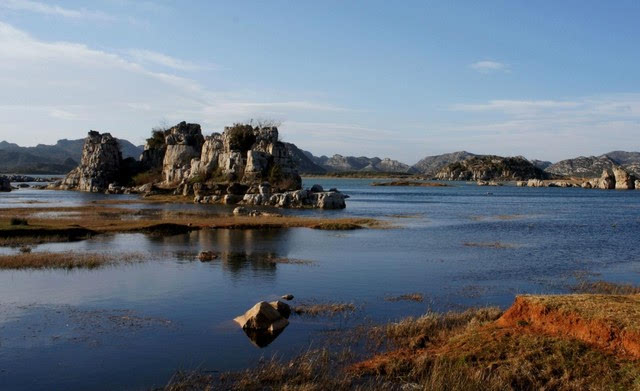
{"points": [[607, 180], [183, 143], [624, 180], [249, 156], [99, 166]]}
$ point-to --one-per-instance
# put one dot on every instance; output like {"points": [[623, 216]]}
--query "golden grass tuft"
{"points": [[64, 260], [417, 297]]}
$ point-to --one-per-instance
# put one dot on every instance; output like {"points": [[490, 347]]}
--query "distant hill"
{"points": [[491, 168], [303, 160], [50, 159], [592, 166], [339, 163], [431, 165]]}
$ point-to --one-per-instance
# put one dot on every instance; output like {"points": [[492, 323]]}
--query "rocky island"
{"points": [[243, 165]]}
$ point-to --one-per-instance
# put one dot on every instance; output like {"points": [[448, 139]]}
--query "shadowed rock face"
{"points": [[99, 166], [5, 184]]}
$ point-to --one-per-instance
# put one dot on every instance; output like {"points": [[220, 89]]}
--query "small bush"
{"points": [[241, 137], [18, 221], [147, 177]]}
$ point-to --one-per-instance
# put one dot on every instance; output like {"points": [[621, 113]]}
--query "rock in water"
{"points": [[206, 256], [265, 316], [183, 142], [5, 184], [624, 181], [99, 166], [637, 184]]}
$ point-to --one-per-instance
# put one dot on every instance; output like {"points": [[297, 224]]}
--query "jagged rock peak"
{"points": [[99, 165]]}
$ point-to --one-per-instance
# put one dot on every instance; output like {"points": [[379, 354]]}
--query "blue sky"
{"points": [[543, 79]]}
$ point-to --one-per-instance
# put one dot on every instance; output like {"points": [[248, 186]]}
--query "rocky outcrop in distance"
{"points": [[491, 168], [431, 165], [339, 163], [593, 166], [60, 158], [242, 165], [617, 178]]}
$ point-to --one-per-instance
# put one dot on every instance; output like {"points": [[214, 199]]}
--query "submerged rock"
{"points": [[287, 297], [206, 256]]}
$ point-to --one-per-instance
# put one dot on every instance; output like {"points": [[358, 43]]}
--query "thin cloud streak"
{"points": [[487, 66], [54, 10]]}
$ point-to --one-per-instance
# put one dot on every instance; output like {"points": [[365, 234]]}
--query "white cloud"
{"points": [[487, 66], [515, 105], [150, 57], [54, 10], [63, 89]]}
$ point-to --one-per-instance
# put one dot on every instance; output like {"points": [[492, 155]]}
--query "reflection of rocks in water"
{"points": [[262, 338]]}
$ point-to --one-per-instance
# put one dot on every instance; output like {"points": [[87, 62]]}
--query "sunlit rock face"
{"points": [[99, 166], [183, 143], [247, 155]]}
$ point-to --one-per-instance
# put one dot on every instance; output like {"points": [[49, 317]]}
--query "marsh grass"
{"points": [[604, 288], [83, 222], [463, 351], [324, 309], [417, 297], [64, 260]]}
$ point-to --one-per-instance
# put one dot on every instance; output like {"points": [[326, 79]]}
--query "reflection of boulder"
{"points": [[262, 339], [264, 321]]}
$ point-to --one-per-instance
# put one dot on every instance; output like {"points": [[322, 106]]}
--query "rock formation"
{"points": [[624, 181], [183, 143], [488, 168], [244, 165], [5, 184], [99, 165], [592, 166], [607, 180], [431, 165]]}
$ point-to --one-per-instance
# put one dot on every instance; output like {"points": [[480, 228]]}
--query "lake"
{"points": [[131, 326]]}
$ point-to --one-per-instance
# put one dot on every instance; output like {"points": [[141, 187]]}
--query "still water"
{"points": [[131, 326]]}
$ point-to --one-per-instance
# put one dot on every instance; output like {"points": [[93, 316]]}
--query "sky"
{"points": [[544, 79]]}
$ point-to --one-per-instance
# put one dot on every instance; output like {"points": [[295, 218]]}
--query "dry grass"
{"points": [[622, 311], [417, 297], [324, 309], [64, 260], [605, 288], [464, 351], [72, 223]]}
